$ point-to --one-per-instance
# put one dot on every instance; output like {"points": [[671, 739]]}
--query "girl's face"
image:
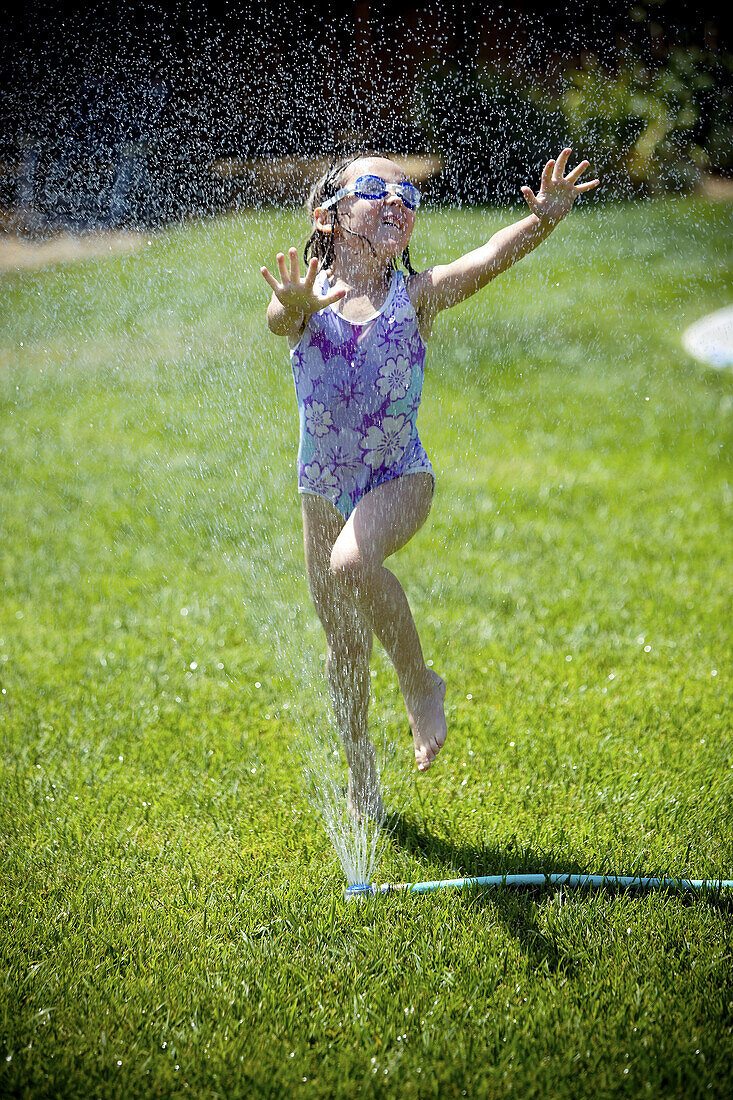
{"points": [[387, 222]]}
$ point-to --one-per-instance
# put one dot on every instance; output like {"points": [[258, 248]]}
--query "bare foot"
{"points": [[363, 796], [427, 721]]}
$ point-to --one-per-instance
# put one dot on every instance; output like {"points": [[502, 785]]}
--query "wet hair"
{"points": [[320, 244]]}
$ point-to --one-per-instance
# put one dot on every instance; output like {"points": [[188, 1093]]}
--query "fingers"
{"points": [[530, 198], [547, 175], [283, 269], [310, 275], [331, 298], [268, 277], [291, 286], [292, 276], [560, 164], [577, 172]]}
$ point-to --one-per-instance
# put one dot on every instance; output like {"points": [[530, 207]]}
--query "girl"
{"points": [[357, 329]]}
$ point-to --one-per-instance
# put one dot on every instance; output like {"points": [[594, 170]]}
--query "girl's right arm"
{"points": [[294, 299], [445, 285]]}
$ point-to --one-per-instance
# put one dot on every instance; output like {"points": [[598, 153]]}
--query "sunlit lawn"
{"points": [[173, 911]]}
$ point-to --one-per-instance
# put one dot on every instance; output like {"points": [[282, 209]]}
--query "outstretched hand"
{"points": [[557, 191], [297, 294]]}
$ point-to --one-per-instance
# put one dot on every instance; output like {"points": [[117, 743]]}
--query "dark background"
{"points": [[168, 90]]}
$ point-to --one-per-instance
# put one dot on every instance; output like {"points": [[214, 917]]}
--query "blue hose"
{"points": [[361, 889]]}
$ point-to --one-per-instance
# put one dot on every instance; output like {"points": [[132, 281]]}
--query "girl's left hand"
{"points": [[557, 191]]}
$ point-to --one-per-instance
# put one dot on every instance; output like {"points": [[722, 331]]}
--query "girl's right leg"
{"points": [[349, 647]]}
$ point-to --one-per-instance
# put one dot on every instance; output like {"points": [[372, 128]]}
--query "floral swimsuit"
{"points": [[358, 386]]}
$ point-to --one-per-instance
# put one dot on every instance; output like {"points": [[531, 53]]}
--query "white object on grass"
{"points": [[711, 339]]}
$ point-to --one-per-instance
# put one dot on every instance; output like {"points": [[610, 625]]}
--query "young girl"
{"points": [[357, 329]]}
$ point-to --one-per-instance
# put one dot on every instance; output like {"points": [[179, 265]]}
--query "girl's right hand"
{"points": [[295, 294]]}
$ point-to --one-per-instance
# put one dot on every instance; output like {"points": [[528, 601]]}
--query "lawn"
{"points": [[173, 909]]}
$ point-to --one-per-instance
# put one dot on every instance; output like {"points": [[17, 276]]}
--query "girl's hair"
{"points": [[321, 244]]}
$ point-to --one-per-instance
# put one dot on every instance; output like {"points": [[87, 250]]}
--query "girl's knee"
{"points": [[350, 569]]}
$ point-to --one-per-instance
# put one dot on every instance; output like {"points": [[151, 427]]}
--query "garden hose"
{"points": [[361, 889]]}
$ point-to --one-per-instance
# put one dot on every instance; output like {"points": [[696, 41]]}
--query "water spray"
{"points": [[361, 890]]}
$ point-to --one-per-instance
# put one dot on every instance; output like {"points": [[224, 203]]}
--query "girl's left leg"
{"points": [[349, 647], [383, 521]]}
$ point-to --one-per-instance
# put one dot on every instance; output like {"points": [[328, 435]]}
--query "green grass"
{"points": [[173, 913]]}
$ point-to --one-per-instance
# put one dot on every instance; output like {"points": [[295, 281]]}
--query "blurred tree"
{"points": [[653, 128]]}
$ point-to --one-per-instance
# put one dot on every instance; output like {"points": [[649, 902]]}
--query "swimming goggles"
{"points": [[374, 187]]}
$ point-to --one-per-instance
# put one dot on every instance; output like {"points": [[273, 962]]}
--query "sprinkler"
{"points": [[360, 889]]}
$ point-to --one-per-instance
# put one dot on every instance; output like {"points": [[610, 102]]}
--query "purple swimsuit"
{"points": [[358, 386]]}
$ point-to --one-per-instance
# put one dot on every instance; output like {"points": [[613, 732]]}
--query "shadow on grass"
{"points": [[464, 860], [518, 908]]}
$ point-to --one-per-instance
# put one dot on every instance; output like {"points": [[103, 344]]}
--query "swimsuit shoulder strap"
{"points": [[401, 291]]}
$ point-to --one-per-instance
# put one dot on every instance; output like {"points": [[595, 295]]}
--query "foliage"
{"points": [[646, 127], [653, 128]]}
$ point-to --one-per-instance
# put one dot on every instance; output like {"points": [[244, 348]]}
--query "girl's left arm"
{"points": [[445, 285]]}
